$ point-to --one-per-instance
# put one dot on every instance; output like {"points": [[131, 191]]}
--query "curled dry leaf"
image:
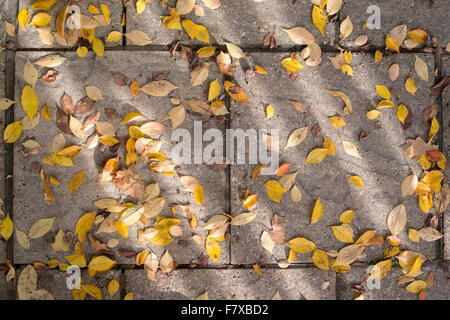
{"points": [[396, 220], [300, 35]]}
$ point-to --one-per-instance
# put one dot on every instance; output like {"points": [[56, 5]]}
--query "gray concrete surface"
{"points": [[415, 14], [244, 23], [75, 74], [382, 166], [293, 284], [8, 11]]}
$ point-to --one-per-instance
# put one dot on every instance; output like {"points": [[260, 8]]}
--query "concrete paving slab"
{"points": [[55, 281], [29, 37], [244, 23], [445, 65], [75, 74], [382, 165], [8, 12], [2, 152], [233, 284], [3, 286], [390, 290], [415, 14]]}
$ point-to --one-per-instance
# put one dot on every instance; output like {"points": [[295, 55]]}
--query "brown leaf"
{"points": [[83, 106], [316, 131], [442, 199], [50, 76], [129, 182], [62, 121], [298, 106], [111, 113], [120, 79], [66, 104], [97, 245], [438, 88], [90, 121], [430, 112], [278, 232], [408, 120], [153, 128]]}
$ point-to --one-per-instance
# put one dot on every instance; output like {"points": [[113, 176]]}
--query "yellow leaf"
{"points": [[99, 264], [236, 93], [201, 33], [357, 181], [329, 145], [82, 51], [23, 18], [198, 194], [214, 90], [291, 64], [106, 12], [6, 227], [122, 228], [416, 286], [269, 111], [402, 113], [108, 140], [12, 132], [92, 9], [140, 6], [347, 216], [78, 258], [70, 151], [61, 20], [84, 224], [212, 248], [337, 121], [415, 269], [243, 218], [378, 56], [129, 296], [317, 211], [114, 36], [381, 269], [43, 4], [274, 190], [392, 44], [425, 202], [410, 86], [343, 233], [259, 69], [92, 290], [346, 69], [113, 287], [320, 259], [76, 181], [257, 269], [98, 47], [424, 162], [373, 114], [383, 92], [40, 19], [30, 102], [301, 245], [206, 52], [418, 35], [40, 228], [385, 104], [45, 111], [319, 19], [317, 155], [433, 129]]}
